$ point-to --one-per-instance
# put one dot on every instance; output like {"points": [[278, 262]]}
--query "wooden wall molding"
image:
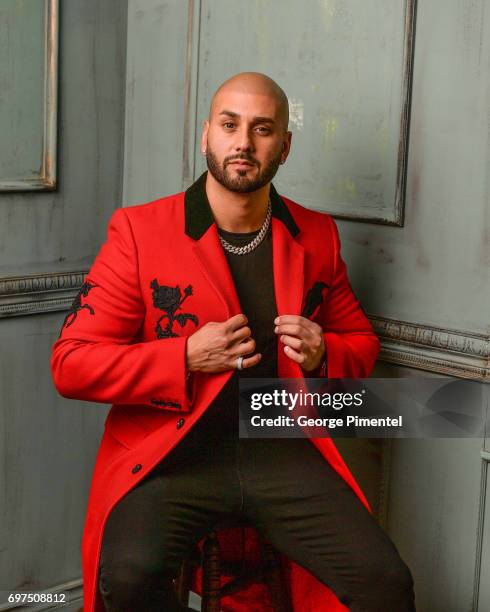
{"points": [[436, 349], [480, 529], [39, 293]]}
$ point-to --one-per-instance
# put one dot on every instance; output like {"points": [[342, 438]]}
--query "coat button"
{"points": [[136, 468], [180, 422]]}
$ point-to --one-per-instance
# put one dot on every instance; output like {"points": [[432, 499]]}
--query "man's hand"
{"points": [[303, 340], [215, 346]]}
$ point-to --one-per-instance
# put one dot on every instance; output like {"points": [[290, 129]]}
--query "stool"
{"points": [[268, 570]]}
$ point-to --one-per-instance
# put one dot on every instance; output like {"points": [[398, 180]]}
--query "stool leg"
{"points": [[183, 582], [211, 574], [275, 578]]}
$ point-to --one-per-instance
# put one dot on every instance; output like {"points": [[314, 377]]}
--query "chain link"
{"points": [[247, 248]]}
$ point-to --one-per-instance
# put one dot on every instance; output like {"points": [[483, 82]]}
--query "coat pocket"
{"points": [[124, 428], [314, 299]]}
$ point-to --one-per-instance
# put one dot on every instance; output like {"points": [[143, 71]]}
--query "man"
{"points": [[189, 293]]}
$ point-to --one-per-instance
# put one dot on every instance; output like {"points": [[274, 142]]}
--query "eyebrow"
{"points": [[255, 119]]}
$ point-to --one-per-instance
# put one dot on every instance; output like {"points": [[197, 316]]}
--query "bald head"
{"points": [[254, 83]]}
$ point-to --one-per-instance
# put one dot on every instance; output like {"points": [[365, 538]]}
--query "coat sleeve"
{"points": [[351, 344], [95, 357]]}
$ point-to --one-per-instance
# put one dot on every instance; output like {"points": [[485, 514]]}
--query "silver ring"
{"points": [[239, 362]]}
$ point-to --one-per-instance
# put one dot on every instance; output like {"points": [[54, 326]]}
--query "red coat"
{"points": [[161, 275]]}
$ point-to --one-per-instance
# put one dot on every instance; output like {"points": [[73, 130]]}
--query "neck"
{"points": [[237, 212]]}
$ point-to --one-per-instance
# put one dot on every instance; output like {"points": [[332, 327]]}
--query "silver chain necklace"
{"points": [[247, 248]]}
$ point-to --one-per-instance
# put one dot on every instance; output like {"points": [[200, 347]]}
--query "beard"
{"points": [[240, 183]]}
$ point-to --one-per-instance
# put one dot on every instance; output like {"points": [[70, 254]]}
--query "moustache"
{"points": [[229, 160]]}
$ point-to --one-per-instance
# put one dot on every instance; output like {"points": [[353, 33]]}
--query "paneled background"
{"points": [[134, 85], [48, 444]]}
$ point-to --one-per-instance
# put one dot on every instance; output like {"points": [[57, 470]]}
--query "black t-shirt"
{"points": [[254, 281]]}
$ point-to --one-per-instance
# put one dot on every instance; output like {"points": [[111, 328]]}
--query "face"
{"points": [[244, 140]]}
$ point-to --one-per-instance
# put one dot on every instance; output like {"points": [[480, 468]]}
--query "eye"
{"points": [[228, 125], [263, 130]]}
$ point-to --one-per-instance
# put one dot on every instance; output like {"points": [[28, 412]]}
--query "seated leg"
{"points": [[309, 513], [156, 526]]}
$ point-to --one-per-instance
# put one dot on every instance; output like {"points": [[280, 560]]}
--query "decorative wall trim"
{"points": [[39, 293], [480, 533], [74, 590], [436, 349], [190, 92]]}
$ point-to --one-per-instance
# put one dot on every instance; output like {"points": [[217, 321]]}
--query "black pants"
{"points": [[288, 491]]}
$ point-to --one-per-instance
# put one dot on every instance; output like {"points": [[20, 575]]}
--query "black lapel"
{"points": [[198, 214]]}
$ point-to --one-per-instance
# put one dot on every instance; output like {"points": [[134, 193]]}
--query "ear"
{"points": [[204, 136], [286, 146]]}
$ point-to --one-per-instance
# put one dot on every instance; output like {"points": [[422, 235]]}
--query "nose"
{"points": [[244, 142]]}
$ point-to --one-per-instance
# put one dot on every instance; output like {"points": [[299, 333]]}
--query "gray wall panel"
{"points": [[436, 269], [433, 517], [156, 71], [47, 459], [482, 594], [62, 230], [48, 443]]}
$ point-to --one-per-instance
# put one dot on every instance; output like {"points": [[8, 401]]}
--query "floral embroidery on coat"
{"points": [[77, 304], [170, 299]]}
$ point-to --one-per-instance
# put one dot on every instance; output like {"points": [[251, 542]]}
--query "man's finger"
{"points": [[251, 361], [289, 319], [246, 347], [242, 333], [295, 343], [294, 355], [297, 320], [248, 361], [235, 322], [293, 329]]}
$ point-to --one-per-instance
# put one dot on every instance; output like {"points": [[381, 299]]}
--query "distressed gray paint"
{"points": [[157, 47], [28, 94], [435, 513], [344, 68], [62, 230], [482, 584], [48, 443], [435, 270], [433, 517], [48, 453]]}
